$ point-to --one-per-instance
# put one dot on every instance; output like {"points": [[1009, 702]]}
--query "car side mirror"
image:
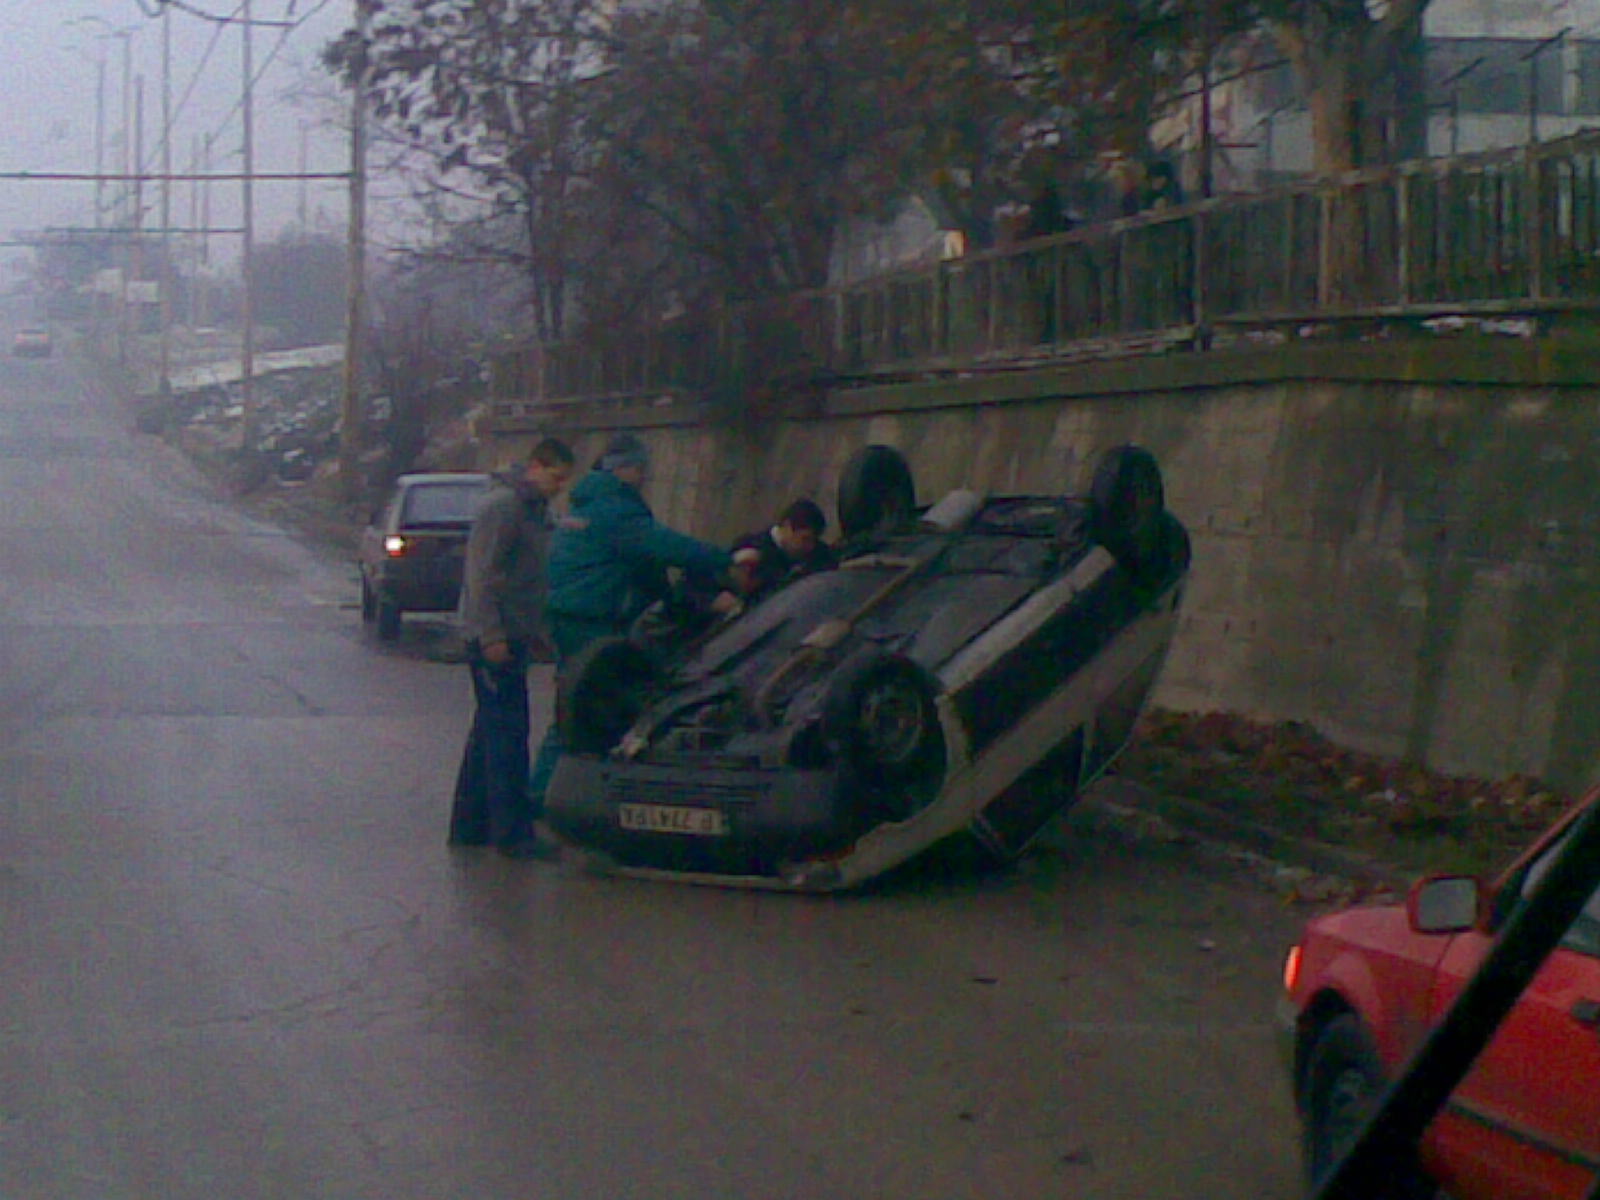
{"points": [[1445, 904]]}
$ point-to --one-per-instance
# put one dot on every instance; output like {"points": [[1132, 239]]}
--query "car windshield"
{"points": [[454, 503]]}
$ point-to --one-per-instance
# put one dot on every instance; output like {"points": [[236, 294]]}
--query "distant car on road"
{"points": [[1363, 990], [32, 343], [966, 670], [413, 551]]}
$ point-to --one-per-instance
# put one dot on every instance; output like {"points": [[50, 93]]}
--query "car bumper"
{"points": [[427, 594], [754, 826]]}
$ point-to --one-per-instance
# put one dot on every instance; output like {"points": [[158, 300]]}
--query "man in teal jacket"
{"points": [[608, 562]]}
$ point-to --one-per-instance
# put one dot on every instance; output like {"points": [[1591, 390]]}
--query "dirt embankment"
{"points": [[1289, 778]]}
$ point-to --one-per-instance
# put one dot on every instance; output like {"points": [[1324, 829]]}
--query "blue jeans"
{"points": [[570, 635], [491, 800]]}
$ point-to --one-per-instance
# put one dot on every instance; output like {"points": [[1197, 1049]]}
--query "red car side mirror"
{"points": [[1445, 903]]}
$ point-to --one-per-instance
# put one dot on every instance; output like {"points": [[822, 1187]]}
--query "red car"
{"points": [[1363, 989]]}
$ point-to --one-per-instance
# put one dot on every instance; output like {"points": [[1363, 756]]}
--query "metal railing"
{"points": [[1506, 232]]}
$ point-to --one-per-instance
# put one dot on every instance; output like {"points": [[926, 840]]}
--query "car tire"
{"points": [[876, 492], [880, 718], [388, 618], [1343, 1083], [1128, 500], [601, 692]]}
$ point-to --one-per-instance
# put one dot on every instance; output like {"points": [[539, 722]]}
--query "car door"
{"points": [[1525, 1122]]}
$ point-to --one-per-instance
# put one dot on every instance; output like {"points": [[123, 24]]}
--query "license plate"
{"points": [[673, 818]]}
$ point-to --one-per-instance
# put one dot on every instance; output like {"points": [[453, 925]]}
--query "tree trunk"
{"points": [[1338, 112], [1364, 83], [1365, 89]]}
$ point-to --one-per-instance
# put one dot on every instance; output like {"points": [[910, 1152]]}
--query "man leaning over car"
{"points": [[608, 563], [503, 619]]}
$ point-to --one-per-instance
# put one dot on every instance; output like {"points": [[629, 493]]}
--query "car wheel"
{"points": [[876, 493], [880, 717], [369, 605], [601, 692], [1343, 1083], [1129, 501], [388, 618]]}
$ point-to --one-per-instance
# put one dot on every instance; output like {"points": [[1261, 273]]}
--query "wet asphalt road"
{"points": [[236, 960]]}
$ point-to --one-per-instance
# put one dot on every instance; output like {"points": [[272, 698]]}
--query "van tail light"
{"points": [[394, 546], [1291, 969]]}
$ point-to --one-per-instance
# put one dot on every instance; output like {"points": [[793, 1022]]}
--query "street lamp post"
{"points": [[121, 214]]}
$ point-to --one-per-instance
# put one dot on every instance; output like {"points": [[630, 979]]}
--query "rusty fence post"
{"points": [[835, 358], [1533, 222], [1402, 233]]}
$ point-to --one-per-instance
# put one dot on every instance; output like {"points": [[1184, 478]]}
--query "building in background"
{"points": [[1499, 73]]}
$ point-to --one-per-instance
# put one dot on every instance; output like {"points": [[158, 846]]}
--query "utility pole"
{"points": [[247, 351], [99, 142], [165, 386], [127, 127], [356, 283], [121, 219], [205, 237], [196, 240], [304, 207], [137, 270], [1208, 145], [110, 31]]}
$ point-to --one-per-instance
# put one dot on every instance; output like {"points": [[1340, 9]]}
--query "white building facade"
{"points": [[1499, 73]]}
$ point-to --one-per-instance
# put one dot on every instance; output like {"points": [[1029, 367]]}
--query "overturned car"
{"points": [[966, 670]]}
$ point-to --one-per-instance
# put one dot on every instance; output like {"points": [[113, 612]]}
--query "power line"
{"points": [[194, 81], [184, 7], [157, 176], [287, 28]]}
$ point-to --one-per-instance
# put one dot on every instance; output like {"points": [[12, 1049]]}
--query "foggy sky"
{"points": [[48, 109]]}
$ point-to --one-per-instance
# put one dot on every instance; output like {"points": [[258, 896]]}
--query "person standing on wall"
{"points": [[503, 621], [608, 563]]}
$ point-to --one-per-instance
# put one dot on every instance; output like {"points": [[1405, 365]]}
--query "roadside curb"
{"points": [[1131, 804]]}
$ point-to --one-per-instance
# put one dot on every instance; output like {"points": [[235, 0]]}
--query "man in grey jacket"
{"points": [[503, 620]]}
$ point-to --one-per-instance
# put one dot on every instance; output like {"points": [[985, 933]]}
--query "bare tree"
{"points": [[490, 97], [748, 130]]}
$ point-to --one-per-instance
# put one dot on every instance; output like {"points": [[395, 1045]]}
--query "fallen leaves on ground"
{"points": [[1288, 776]]}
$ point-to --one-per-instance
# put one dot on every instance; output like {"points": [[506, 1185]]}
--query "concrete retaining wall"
{"points": [[1393, 546]]}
